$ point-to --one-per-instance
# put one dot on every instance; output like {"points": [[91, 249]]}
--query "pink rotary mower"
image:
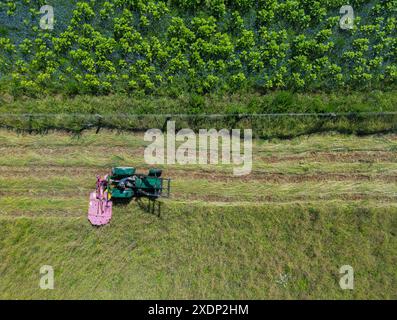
{"points": [[100, 208]]}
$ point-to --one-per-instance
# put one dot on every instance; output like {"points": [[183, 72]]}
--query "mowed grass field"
{"points": [[310, 206]]}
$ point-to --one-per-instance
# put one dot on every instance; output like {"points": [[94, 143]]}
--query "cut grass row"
{"points": [[292, 167], [36, 196], [77, 206], [56, 172], [341, 153]]}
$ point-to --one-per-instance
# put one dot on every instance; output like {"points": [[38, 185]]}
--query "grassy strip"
{"points": [[204, 189], [319, 154], [271, 251], [105, 162], [110, 139], [36, 206], [119, 112]]}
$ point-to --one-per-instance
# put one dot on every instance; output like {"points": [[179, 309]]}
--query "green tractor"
{"points": [[122, 185]]}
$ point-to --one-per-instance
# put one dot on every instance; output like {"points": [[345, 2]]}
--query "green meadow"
{"points": [[311, 205]]}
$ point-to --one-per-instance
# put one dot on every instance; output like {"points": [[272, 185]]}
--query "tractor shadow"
{"points": [[148, 205]]}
